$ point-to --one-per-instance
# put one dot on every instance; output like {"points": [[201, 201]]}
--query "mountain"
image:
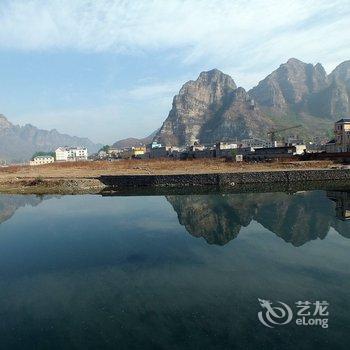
{"points": [[134, 142], [213, 108], [290, 86], [19, 143], [210, 109], [303, 93]]}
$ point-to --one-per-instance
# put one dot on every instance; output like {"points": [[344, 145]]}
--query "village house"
{"points": [[113, 152], [257, 143], [276, 152], [155, 144], [226, 145], [133, 152], [342, 135], [225, 149], [102, 154], [69, 154], [158, 152], [330, 146], [39, 160]]}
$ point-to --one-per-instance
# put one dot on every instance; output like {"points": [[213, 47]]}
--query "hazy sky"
{"points": [[108, 69]]}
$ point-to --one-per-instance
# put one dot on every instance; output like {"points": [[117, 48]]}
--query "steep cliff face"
{"points": [[19, 143], [239, 119], [196, 104], [342, 73], [304, 89], [290, 86], [338, 92], [212, 108]]}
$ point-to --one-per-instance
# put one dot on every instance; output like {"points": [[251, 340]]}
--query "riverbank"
{"points": [[94, 177], [225, 180], [41, 186]]}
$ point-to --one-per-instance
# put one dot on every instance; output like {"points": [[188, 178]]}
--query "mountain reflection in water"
{"points": [[93, 272], [296, 218]]}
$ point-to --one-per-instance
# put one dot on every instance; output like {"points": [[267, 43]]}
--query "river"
{"points": [[189, 271]]}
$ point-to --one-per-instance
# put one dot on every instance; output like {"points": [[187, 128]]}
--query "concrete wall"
{"points": [[224, 179]]}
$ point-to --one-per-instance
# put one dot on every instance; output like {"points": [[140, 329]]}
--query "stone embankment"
{"points": [[224, 179]]}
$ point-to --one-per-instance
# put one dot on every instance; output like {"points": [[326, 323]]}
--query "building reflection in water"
{"points": [[342, 201]]}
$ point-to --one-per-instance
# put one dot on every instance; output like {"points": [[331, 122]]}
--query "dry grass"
{"points": [[156, 166]]}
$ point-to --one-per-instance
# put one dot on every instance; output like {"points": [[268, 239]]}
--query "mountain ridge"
{"points": [[19, 143], [134, 142], [212, 108]]}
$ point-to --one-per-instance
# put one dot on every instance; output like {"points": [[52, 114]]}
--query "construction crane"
{"points": [[272, 133]]}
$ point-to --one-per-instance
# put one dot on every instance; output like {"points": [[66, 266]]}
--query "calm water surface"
{"points": [[172, 272]]}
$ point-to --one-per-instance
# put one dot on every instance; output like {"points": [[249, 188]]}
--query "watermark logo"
{"points": [[306, 313], [271, 315]]}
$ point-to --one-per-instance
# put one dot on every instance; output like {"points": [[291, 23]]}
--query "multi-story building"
{"points": [[342, 135], [66, 154], [42, 160]]}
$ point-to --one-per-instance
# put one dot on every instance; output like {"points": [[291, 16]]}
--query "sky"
{"points": [[108, 69]]}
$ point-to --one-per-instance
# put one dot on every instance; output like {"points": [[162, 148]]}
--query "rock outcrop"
{"points": [[289, 86], [212, 108]]}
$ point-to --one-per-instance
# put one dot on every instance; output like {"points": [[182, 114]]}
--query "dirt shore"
{"points": [[82, 177]]}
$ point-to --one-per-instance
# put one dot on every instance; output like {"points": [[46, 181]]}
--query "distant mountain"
{"points": [[213, 108], [19, 143], [134, 142]]}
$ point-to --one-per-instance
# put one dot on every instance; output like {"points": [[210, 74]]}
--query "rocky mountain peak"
{"points": [[197, 102], [288, 87], [216, 76], [342, 73], [4, 123], [210, 85], [293, 65], [240, 94], [212, 108]]}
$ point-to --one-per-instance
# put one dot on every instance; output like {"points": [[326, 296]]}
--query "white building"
{"points": [[226, 145], [156, 144], [66, 154], [257, 143], [42, 160]]}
